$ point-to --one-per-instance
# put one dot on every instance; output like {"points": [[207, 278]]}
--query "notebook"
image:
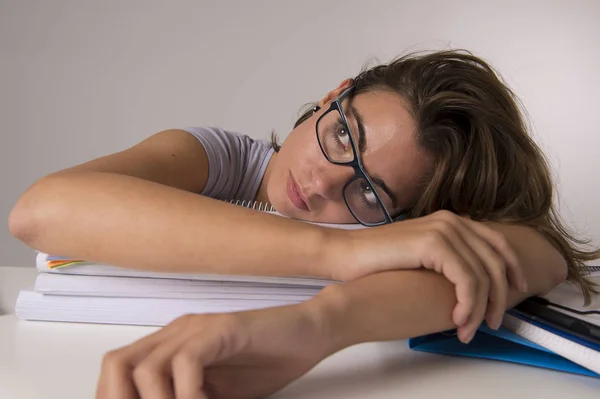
{"points": [[516, 342], [540, 314], [525, 342]]}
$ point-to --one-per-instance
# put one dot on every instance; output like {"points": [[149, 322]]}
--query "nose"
{"points": [[328, 180]]}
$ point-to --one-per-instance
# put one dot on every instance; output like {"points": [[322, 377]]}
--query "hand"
{"points": [[474, 257], [234, 356]]}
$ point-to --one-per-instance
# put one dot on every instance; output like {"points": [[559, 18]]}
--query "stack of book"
{"points": [[554, 331], [78, 291]]}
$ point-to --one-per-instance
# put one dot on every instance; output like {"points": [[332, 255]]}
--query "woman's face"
{"points": [[301, 183]]}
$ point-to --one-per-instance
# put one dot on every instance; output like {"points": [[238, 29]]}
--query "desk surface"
{"points": [[61, 360]]}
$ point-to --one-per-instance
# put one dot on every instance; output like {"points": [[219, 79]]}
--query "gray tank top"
{"points": [[236, 162]]}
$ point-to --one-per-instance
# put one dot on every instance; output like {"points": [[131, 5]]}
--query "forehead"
{"points": [[392, 153]]}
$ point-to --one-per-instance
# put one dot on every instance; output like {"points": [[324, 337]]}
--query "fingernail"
{"points": [[498, 323], [468, 338], [523, 287]]}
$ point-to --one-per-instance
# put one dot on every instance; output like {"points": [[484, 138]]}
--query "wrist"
{"points": [[327, 312], [341, 258]]}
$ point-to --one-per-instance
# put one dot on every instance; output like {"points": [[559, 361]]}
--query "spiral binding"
{"points": [[589, 270], [257, 205]]}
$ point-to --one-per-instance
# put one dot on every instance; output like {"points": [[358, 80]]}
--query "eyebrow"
{"points": [[362, 146]]}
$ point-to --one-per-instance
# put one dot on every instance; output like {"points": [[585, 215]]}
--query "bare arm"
{"points": [[277, 345], [140, 208], [403, 304]]}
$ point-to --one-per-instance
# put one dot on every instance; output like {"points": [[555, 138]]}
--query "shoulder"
{"points": [[215, 137], [236, 161]]}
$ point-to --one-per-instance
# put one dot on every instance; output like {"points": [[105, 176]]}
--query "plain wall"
{"points": [[81, 79]]}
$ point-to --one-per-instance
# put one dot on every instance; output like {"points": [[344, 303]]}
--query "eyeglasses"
{"points": [[367, 202]]}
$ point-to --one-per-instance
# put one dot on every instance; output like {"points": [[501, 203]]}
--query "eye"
{"points": [[341, 135], [368, 195]]}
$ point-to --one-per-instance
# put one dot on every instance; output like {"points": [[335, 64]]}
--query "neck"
{"points": [[262, 195]]}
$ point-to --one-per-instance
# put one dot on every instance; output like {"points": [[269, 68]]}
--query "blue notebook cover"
{"points": [[502, 344]]}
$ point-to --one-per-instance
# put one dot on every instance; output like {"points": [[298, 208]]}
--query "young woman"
{"points": [[434, 141]]}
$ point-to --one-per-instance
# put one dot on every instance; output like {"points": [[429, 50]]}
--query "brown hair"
{"points": [[485, 163]]}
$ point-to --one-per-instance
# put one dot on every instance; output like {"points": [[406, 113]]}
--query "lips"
{"points": [[295, 195]]}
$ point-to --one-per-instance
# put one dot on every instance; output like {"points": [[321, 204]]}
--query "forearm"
{"points": [[127, 221], [385, 306], [402, 304]]}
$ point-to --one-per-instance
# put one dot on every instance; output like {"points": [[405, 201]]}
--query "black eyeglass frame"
{"points": [[356, 164]]}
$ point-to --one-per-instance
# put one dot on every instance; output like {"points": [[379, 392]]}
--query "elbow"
{"points": [[545, 265], [22, 222], [561, 271], [25, 221], [558, 269]]}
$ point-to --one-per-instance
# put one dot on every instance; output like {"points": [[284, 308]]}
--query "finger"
{"points": [[194, 356], [467, 331], [115, 381], [153, 375], [476, 317], [515, 272], [451, 263], [495, 268], [188, 368], [116, 372], [137, 351]]}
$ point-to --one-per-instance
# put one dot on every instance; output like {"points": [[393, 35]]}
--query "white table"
{"points": [[55, 360]]}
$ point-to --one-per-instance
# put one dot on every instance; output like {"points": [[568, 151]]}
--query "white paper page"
{"points": [[58, 284]]}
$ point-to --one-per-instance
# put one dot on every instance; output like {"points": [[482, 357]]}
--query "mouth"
{"points": [[295, 195]]}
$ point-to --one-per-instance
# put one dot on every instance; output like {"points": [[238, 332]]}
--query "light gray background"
{"points": [[80, 79]]}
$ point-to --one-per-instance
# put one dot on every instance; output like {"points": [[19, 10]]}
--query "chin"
{"points": [[279, 202]]}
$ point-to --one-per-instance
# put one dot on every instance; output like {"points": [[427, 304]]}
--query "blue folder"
{"points": [[502, 344]]}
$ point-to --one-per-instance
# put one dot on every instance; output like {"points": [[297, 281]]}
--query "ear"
{"points": [[332, 95]]}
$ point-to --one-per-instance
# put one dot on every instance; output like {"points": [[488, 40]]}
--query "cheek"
{"points": [[291, 156], [337, 212], [301, 148]]}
